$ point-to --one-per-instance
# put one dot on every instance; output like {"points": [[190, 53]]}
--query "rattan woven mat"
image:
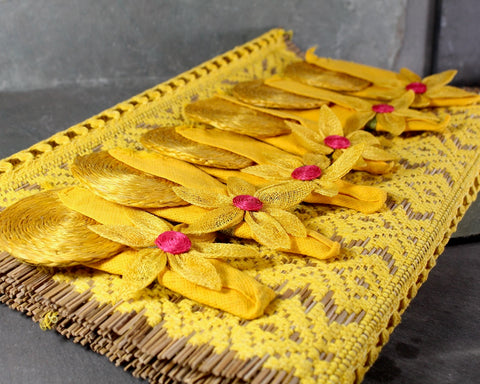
{"points": [[330, 319]]}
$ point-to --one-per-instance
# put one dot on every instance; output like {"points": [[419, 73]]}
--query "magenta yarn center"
{"points": [[383, 108], [247, 203], [337, 142], [307, 172], [416, 87], [173, 242]]}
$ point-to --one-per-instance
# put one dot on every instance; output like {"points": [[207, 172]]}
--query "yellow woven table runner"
{"points": [[330, 318]]}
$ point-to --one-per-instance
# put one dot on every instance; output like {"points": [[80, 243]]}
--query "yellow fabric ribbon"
{"points": [[169, 168], [240, 294]]}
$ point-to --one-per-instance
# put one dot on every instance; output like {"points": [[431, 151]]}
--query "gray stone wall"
{"points": [[46, 43], [458, 40]]}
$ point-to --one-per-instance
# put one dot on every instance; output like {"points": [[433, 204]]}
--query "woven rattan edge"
{"points": [[123, 338]]}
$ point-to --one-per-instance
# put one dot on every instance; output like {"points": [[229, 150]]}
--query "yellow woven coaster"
{"points": [[330, 319]]}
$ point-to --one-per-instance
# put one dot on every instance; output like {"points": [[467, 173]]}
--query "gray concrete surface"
{"points": [[458, 40]]}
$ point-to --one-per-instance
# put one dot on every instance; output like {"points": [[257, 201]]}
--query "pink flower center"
{"points": [[307, 172], [173, 242], [416, 87], [337, 142], [247, 203], [383, 108]]}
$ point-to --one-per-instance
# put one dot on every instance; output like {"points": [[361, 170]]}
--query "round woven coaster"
{"points": [[40, 230], [257, 93], [122, 184], [168, 142], [319, 77], [223, 114]]}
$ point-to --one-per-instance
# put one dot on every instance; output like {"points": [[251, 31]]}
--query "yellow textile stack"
{"points": [[330, 318]]}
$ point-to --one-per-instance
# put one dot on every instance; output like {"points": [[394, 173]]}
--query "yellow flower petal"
{"points": [[216, 220], [310, 140], [268, 172], [196, 237], [365, 137], [127, 235], [225, 251], [449, 92], [291, 223], [266, 230], [195, 269], [409, 76], [284, 195], [388, 122], [144, 220], [116, 264], [404, 101], [424, 125], [377, 167], [343, 164], [325, 188], [201, 198], [439, 79], [419, 115], [421, 101], [457, 101], [328, 123], [357, 121], [147, 265], [320, 161], [237, 186]]}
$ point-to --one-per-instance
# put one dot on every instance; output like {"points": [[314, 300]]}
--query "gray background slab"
{"points": [[64, 61], [457, 41], [44, 43]]}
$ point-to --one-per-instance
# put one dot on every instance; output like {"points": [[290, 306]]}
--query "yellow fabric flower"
{"points": [[394, 117], [154, 242], [161, 246], [433, 90], [265, 211], [331, 134], [313, 174], [387, 85], [189, 265]]}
